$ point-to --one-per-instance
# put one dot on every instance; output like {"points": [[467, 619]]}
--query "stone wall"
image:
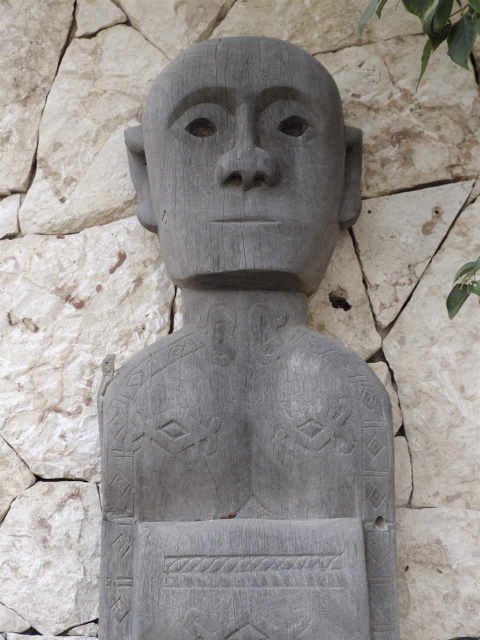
{"points": [[81, 278]]}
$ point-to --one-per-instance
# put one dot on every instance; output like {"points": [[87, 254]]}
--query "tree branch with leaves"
{"points": [[458, 28]]}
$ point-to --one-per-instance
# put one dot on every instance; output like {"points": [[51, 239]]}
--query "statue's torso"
{"points": [[285, 429]]}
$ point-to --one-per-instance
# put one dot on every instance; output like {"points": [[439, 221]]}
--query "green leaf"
{"points": [[428, 25], [442, 14], [436, 37], [417, 7], [475, 4], [455, 300], [460, 41], [381, 4], [468, 269], [427, 50], [369, 11], [474, 287]]}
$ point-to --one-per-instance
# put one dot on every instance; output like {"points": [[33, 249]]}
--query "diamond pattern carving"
{"points": [[374, 445], [376, 496], [172, 429], [172, 436], [313, 435], [247, 633]]}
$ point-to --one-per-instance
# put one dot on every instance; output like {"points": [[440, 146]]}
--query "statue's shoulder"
{"points": [[145, 364], [335, 357]]}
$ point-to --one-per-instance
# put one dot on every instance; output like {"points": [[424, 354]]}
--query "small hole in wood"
{"points": [[234, 179], [201, 128], [259, 181], [339, 302], [294, 126], [436, 212]]}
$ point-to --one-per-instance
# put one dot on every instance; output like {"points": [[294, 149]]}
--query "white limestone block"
{"points": [[9, 215], [315, 26], [16, 477], [173, 25], [11, 621], [397, 237], [340, 307], [32, 35], [68, 301], [89, 630], [49, 551], [82, 176], [411, 137], [382, 372], [438, 573], [403, 472], [436, 364], [93, 15]]}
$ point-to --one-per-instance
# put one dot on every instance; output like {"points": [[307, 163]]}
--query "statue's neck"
{"points": [[257, 311]]}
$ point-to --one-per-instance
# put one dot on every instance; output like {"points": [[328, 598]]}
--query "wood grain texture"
{"points": [[279, 436]]}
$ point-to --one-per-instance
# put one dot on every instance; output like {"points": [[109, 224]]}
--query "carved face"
{"points": [[245, 149]]}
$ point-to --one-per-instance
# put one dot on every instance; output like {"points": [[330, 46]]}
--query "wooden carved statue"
{"points": [[247, 461]]}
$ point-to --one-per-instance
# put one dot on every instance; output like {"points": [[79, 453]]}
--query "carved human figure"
{"points": [[247, 460]]}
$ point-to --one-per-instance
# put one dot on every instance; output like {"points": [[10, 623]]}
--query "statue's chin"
{"points": [[246, 279]]}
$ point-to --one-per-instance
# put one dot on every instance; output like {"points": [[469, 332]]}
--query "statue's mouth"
{"points": [[245, 221]]}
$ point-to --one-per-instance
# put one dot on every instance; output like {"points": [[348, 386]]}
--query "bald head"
{"points": [[249, 170], [229, 70]]}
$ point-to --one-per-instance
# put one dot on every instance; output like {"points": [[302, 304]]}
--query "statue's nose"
{"points": [[246, 166]]}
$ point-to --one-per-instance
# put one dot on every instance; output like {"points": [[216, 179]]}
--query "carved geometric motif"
{"points": [[135, 380], [313, 435], [201, 629], [122, 544], [368, 397], [119, 609], [248, 632], [120, 483], [376, 496], [172, 436], [184, 347], [374, 445]]}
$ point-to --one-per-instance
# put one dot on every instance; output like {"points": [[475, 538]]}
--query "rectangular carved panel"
{"points": [[247, 579]]}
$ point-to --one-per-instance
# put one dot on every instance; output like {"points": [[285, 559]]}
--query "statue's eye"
{"points": [[201, 128], [294, 126]]}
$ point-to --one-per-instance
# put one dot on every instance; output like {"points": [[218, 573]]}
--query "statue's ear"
{"points": [[139, 175], [352, 200]]}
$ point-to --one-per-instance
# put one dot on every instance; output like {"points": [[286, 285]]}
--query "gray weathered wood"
{"points": [[247, 461]]}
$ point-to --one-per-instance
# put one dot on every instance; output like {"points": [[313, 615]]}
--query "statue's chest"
{"points": [[223, 433]]}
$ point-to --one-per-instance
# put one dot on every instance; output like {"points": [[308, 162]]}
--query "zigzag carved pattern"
{"points": [[235, 564]]}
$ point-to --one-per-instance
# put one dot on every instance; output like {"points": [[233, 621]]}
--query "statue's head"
{"points": [[243, 166]]}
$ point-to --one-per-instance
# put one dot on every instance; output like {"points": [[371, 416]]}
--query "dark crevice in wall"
{"points": [[423, 185], [385, 331], [440, 245], [16, 452], [476, 70], [40, 479], [125, 23], [119, 4], [369, 42], [172, 312], [17, 614], [222, 14], [81, 624]]}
